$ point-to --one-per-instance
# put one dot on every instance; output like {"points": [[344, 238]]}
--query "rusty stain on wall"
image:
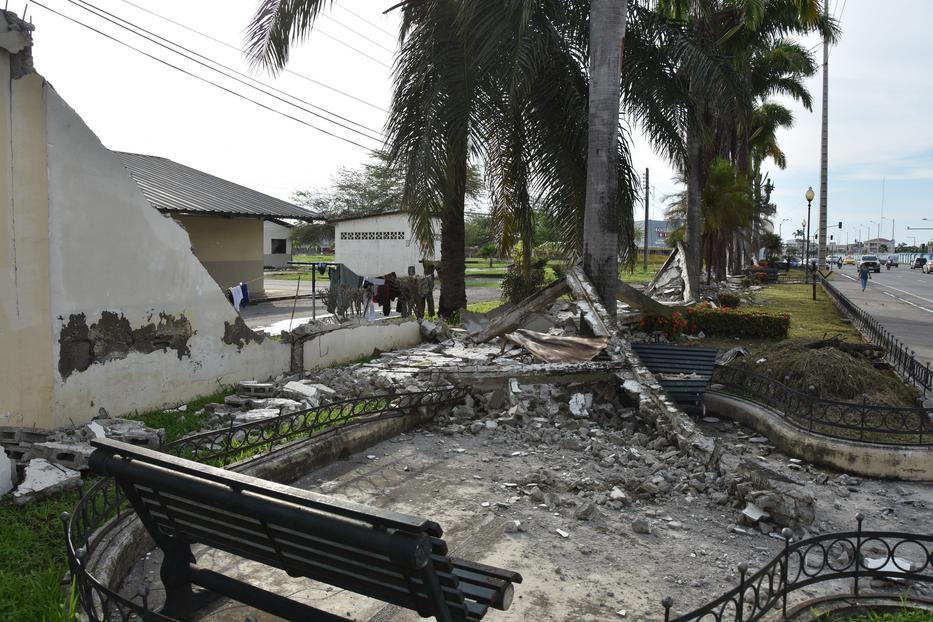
{"points": [[112, 338]]}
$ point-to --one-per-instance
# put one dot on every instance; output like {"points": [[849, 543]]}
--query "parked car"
{"points": [[892, 259], [871, 262], [848, 261], [927, 268], [919, 262]]}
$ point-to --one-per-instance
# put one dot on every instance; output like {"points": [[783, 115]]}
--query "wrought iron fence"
{"points": [[896, 352], [859, 421], [102, 506], [858, 555]]}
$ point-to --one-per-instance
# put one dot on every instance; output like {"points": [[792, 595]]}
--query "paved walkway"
{"points": [[901, 299]]}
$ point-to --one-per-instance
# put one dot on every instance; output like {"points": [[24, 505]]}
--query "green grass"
{"points": [[32, 548], [484, 306], [483, 283], [178, 424], [639, 274], [809, 319], [901, 615], [313, 258]]}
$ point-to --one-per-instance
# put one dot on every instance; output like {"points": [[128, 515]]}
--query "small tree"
{"points": [[771, 243], [488, 251], [883, 248]]}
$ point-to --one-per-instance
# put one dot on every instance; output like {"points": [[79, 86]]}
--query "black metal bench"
{"points": [[392, 557], [684, 372]]}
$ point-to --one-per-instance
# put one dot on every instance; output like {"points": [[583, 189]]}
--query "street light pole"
{"points": [[806, 252]]}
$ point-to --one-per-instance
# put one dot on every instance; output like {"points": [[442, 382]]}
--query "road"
{"points": [[901, 299]]}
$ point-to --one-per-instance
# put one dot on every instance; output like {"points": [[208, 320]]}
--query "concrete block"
{"points": [[301, 392], [133, 432], [23, 435], [283, 404], [259, 414], [71, 455], [258, 389], [44, 479]]}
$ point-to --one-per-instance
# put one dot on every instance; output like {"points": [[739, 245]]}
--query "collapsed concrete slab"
{"points": [[44, 479]]}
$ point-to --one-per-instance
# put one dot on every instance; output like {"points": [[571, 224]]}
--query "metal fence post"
{"points": [[740, 609], [858, 549], [861, 419], [787, 534]]}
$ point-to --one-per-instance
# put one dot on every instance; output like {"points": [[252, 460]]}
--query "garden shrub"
{"points": [[515, 288], [761, 277], [746, 282], [722, 321], [726, 299], [739, 322]]}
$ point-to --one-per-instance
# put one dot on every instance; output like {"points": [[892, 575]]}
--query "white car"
{"points": [[927, 268]]}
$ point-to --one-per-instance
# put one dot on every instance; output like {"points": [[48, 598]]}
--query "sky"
{"points": [[880, 128]]}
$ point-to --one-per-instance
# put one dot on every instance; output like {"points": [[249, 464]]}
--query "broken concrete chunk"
{"points": [[752, 513], [44, 479], [7, 473], [70, 455], [97, 429], [133, 432], [580, 403], [257, 414], [641, 525], [300, 391], [257, 389]]}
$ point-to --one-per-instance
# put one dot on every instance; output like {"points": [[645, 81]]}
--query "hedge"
{"points": [[721, 321], [739, 322]]}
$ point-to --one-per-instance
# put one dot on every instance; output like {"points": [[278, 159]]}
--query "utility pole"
{"points": [[646, 220], [824, 151]]}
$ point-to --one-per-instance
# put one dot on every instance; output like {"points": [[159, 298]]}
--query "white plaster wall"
{"points": [[274, 230], [109, 250], [368, 257], [350, 344]]}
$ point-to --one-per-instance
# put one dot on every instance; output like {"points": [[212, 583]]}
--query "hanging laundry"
{"points": [[244, 288], [237, 293], [321, 268]]}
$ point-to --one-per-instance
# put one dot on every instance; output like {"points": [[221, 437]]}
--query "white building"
{"points": [[276, 243], [380, 244]]}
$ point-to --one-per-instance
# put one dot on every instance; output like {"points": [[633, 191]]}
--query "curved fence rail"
{"points": [[103, 504], [854, 421], [895, 352], [858, 555]]}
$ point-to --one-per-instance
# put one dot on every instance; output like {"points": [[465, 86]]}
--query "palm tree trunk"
{"points": [[453, 242], [692, 229], [600, 221]]}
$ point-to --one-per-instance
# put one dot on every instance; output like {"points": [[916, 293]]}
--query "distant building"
{"points": [[276, 243], [224, 220], [873, 246], [380, 244]]}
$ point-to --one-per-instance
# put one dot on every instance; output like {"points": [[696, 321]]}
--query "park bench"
{"points": [[684, 372], [396, 558]]}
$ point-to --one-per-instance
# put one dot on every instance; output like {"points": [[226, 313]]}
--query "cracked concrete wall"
{"points": [[230, 249], [25, 306], [139, 320]]}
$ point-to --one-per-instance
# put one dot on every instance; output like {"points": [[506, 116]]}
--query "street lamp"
{"points": [[780, 225], [809, 196]]}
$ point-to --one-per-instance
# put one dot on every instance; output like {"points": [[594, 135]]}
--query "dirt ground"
{"points": [[477, 486]]}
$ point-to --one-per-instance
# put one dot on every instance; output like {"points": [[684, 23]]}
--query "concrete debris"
{"points": [[641, 525], [7, 474], [44, 479], [752, 513], [437, 332]]}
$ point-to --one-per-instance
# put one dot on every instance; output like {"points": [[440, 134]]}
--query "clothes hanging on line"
{"points": [[237, 293]]}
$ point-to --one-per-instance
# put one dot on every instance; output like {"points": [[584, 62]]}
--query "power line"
{"points": [[201, 78], [238, 50], [98, 12], [360, 17], [358, 33]]}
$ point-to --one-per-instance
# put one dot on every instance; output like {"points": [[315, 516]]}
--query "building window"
{"points": [[278, 246]]}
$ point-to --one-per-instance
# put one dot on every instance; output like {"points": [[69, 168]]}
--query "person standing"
{"points": [[863, 275]]}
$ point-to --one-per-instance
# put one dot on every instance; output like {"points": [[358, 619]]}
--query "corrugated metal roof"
{"points": [[173, 187]]}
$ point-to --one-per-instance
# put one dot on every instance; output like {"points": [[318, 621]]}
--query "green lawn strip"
{"points": [[178, 424], [32, 547], [819, 319], [901, 615], [314, 258], [484, 306]]}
